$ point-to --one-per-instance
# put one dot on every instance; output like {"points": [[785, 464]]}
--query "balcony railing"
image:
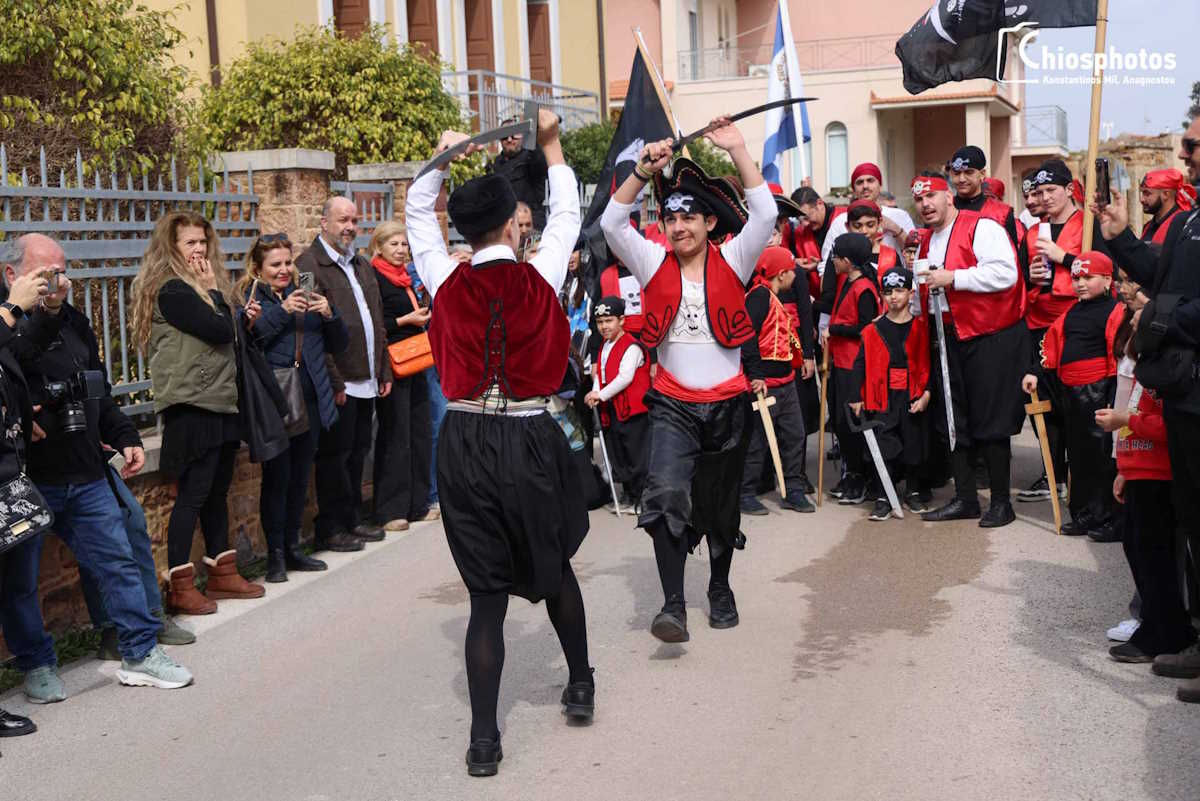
{"points": [[1045, 126], [488, 98], [816, 55]]}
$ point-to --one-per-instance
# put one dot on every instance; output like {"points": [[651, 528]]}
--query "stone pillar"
{"points": [[400, 174], [291, 185]]}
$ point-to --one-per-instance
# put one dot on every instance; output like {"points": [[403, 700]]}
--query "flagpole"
{"points": [[793, 64], [657, 79], [1089, 191]]}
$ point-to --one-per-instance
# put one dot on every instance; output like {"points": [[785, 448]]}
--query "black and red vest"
{"points": [[998, 211], [777, 340], [1084, 371], [1160, 234], [499, 323], [976, 313], [1047, 304], [724, 301], [881, 377], [842, 350], [631, 400], [627, 288]]}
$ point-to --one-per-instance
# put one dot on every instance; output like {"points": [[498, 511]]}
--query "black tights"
{"points": [[671, 555], [485, 647], [203, 492]]}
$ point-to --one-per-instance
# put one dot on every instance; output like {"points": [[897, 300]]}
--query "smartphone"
{"points": [[253, 291], [1103, 183], [307, 283]]}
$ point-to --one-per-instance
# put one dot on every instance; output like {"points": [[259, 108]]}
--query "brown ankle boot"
{"points": [[224, 581], [182, 596]]}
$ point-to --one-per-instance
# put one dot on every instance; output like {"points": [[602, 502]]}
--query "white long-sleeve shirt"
{"points": [[433, 262], [996, 262], [630, 362], [689, 352], [838, 227]]}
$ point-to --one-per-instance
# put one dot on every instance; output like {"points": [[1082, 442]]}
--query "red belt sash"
{"points": [[897, 378], [1084, 371], [668, 385], [782, 381]]}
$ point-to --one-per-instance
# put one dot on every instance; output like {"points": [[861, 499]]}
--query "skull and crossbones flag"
{"points": [[957, 40]]}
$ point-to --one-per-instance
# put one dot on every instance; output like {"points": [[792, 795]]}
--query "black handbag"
{"points": [[23, 512], [291, 386], [260, 403], [1167, 368]]}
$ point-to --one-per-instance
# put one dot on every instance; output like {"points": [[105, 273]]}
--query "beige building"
{"points": [[495, 51], [712, 55]]}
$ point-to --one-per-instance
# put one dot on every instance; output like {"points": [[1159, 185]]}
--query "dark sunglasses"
{"points": [[267, 239], [1190, 145]]}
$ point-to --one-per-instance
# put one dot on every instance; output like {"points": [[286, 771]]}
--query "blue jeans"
{"points": [[139, 544], [89, 520], [437, 409], [20, 609]]}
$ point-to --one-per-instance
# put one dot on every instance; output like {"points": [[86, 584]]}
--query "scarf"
{"points": [[397, 275]]}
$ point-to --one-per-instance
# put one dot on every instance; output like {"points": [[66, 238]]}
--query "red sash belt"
{"points": [[897, 378], [668, 385], [783, 381], [1084, 371]]}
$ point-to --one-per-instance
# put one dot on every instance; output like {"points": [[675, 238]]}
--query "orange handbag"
{"points": [[412, 355]]}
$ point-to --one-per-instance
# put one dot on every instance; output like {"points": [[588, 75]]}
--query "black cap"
{"points": [[609, 306], [481, 205], [896, 277], [1053, 171], [967, 158], [855, 247]]}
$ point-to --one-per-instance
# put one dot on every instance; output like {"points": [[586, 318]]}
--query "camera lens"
{"points": [[73, 418]]}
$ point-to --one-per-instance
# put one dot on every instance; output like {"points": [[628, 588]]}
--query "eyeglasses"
{"points": [[1190, 145], [267, 239]]}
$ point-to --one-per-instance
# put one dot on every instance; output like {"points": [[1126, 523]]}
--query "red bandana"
{"points": [[866, 169], [1185, 193], [924, 184]]}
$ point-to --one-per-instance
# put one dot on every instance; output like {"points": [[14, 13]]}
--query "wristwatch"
{"points": [[16, 311]]}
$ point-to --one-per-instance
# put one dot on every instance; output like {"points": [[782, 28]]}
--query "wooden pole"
{"points": [[1089, 186]]}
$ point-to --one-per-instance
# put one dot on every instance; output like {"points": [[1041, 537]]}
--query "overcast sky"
{"points": [[1163, 26]]}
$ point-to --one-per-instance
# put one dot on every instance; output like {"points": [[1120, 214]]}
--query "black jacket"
{"points": [[526, 171], [16, 409], [57, 347]]}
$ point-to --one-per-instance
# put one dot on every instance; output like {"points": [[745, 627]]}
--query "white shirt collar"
{"points": [[493, 253], [338, 258]]}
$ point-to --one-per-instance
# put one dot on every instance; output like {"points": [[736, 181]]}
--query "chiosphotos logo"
{"points": [[1061, 66]]}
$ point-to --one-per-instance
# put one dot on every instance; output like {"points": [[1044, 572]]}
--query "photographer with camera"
{"points": [[74, 414]]}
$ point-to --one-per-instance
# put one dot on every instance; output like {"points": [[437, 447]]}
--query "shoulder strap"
{"points": [[299, 338]]}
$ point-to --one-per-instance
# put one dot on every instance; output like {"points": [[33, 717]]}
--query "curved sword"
{"points": [[680, 144]]}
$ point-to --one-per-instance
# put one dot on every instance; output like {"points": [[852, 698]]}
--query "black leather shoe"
{"points": [[298, 560], [722, 609], [999, 513], [752, 506], [670, 625], [339, 541], [276, 566], [579, 700], [368, 532], [483, 757], [957, 509], [1105, 532], [1078, 526], [798, 502], [15, 725]]}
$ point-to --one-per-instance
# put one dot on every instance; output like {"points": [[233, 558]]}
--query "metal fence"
{"points": [[104, 224], [1045, 125], [375, 204], [489, 98]]}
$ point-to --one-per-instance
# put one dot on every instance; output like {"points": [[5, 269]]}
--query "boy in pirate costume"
{"points": [[695, 315], [768, 359], [621, 380], [509, 488], [866, 218], [1078, 348], [856, 305], [891, 379]]}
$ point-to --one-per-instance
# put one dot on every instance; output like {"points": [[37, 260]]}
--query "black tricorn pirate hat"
{"points": [[722, 196], [786, 207]]}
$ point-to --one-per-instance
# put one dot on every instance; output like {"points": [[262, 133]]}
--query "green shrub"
{"points": [[586, 148]]}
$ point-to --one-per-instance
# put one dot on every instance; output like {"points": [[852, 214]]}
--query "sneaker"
{"points": [[806, 486], [1183, 665], [797, 502], [919, 502], [172, 633], [109, 650], [155, 670], [839, 489], [1128, 652], [1123, 630], [753, 506], [882, 510], [43, 686], [722, 612], [855, 492], [1037, 491]]}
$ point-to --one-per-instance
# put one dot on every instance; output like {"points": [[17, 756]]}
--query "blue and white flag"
{"points": [[785, 130]]}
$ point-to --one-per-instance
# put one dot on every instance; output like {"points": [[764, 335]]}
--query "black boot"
{"points": [[15, 725], [722, 610], [483, 757], [301, 562], [999, 513], [579, 700], [276, 566], [670, 625], [957, 509]]}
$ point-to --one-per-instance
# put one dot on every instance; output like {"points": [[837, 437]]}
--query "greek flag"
{"points": [[784, 130]]}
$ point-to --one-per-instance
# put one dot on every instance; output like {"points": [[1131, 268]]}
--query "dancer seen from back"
{"points": [[694, 312]]}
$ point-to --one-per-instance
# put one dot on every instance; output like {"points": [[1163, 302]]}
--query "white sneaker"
{"points": [[1123, 630], [156, 670]]}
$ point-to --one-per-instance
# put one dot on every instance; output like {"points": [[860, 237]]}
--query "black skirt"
{"points": [[189, 432], [511, 502], [985, 385]]}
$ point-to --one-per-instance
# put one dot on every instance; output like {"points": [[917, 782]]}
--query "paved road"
{"points": [[873, 661]]}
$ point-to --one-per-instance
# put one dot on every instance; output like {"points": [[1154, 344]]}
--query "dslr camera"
{"points": [[66, 399]]}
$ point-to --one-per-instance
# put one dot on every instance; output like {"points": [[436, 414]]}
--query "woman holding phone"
{"points": [[404, 441], [182, 317], [284, 315]]}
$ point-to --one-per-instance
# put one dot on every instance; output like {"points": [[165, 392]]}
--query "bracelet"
{"points": [[640, 173]]}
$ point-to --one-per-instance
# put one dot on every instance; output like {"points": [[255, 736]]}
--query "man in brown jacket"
{"points": [[358, 374]]}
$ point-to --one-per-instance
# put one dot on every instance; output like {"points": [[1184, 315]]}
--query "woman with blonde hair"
{"points": [[404, 441], [286, 321], [182, 318]]}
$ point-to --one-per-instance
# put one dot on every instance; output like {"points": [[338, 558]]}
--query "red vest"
{"points": [[844, 349], [631, 400], [998, 211], [499, 324], [1047, 304], [724, 301], [1160, 236], [886, 261], [627, 288], [881, 376], [1086, 371], [977, 313], [777, 340]]}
